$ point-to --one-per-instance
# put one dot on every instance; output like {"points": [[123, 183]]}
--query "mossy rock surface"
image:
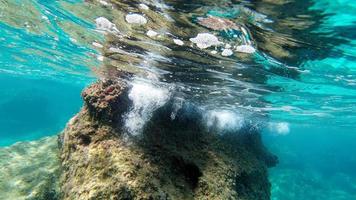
{"points": [[171, 159], [30, 170]]}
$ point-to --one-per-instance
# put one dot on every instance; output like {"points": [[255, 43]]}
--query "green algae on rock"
{"points": [[176, 159], [30, 170]]}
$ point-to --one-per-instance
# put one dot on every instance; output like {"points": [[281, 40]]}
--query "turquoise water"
{"points": [[302, 80], [325, 91], [316, 156], [42, 69], [34, 108], [314, 166]]}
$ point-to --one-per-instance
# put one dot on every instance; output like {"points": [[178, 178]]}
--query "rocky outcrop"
{"points": [[172, 159], [30, 170]]}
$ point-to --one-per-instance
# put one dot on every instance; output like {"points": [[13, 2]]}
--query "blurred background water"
{"points": [[44, 65], [301, 81]]}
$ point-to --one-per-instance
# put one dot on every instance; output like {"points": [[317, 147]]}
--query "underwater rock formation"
{"points": [[30, 170], [171, 159]]}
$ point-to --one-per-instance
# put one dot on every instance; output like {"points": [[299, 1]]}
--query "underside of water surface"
{"points": [[284, 69]]}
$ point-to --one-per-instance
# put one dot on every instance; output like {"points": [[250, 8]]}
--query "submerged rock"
{"points": [[105, 101], [173, 158], [30, 170]]}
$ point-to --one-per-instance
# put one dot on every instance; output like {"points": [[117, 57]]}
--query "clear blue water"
{"points": [[42, 70], [316, 156], [46, 59], [316, 162], [34, 108]]}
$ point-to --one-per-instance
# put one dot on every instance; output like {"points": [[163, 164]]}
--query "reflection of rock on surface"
{"points": [[170, 160]]}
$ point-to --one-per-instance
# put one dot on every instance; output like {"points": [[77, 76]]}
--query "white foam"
{"points": [[205, 40], [73, 40], [143, 6], [151, 33], [146, 98], [245, 49], [104, 25], [98, 45], [100, 58], [224, 120], [178, 42], [104, 3], [280, 128], [227, 52], [177, 105], [135, 19], [44, 18], [116, 50]]}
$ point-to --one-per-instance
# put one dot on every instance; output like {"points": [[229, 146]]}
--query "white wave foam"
{"points": [[224, 120], [104, 25], [151, 33], [205, 40], [280, 128], [146, 98], [135, 19], [143, 6], [227, 52], [245, 49], [178, 42]]}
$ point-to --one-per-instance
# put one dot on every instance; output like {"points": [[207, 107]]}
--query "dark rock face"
{"points": [[172, 159], [105, 100]]}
